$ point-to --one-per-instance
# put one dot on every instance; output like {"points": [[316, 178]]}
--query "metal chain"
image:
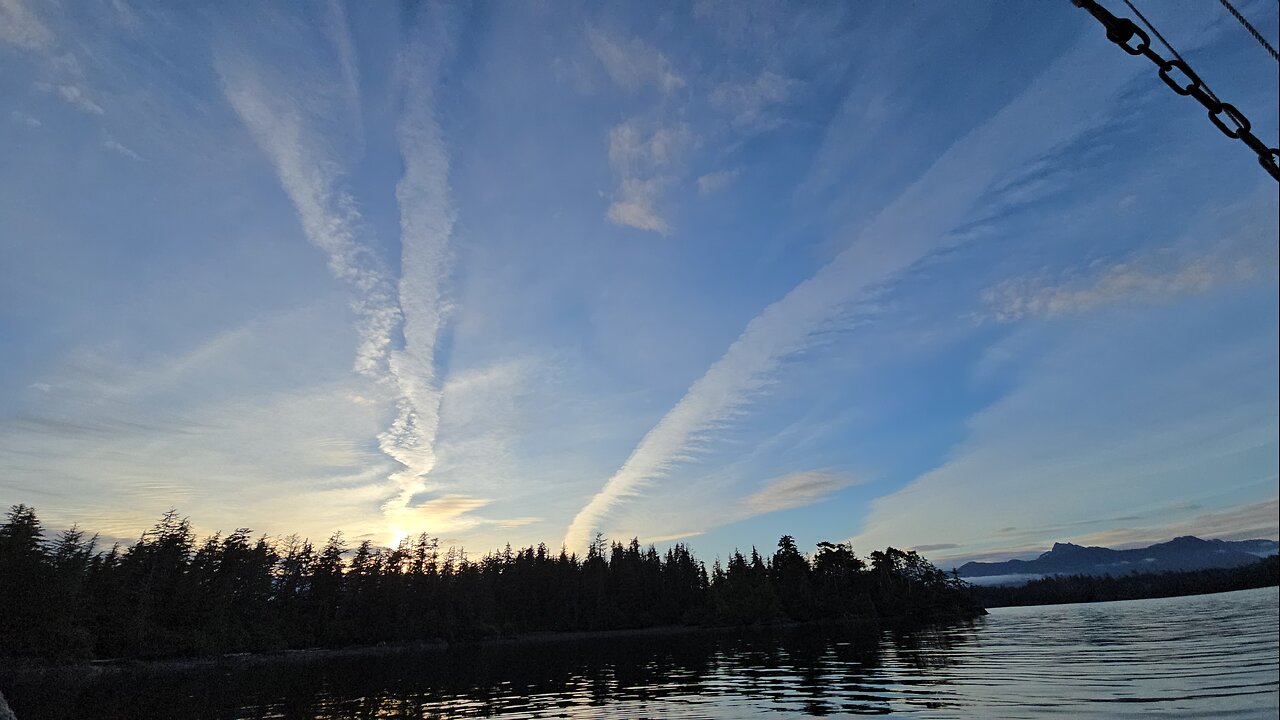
{"points": [[1224, 116], [1249, 26], [1166, 43]]}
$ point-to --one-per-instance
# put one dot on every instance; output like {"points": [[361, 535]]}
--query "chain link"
{"points": [[1224, 116]]}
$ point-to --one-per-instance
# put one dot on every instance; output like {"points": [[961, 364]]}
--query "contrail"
{"points": [[328, 214], [914, 225], [426, 225], [414, 306]]}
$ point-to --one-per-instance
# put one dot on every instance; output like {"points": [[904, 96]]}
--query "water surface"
{"points": [[1204, 656]]}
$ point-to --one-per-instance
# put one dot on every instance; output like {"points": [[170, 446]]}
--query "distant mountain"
{"points": [[1182, 553], [1261, 548]]}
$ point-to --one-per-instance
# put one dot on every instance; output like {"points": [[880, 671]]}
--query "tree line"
{"points": [[169, 594], [1134, 586]]}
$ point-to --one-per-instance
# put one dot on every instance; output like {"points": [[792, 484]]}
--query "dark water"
{"points": [[1207, 656]]}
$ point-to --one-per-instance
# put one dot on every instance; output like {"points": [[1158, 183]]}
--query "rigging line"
{"points": [[1249, 26], [1173, 50], [1225, 116]]}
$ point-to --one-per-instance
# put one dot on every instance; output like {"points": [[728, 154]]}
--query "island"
{"points": [[169, 595]]}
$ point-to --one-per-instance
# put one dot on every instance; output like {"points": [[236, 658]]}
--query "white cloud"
{"points": [[116, 146], [646, 156], [426, 225], [414, 305], [20, 27], [908, 229], [64, 77], [668, 537], [1149, 277], [328, 214], [73, 95], [797, 490], [716, 181], [417, 304], [645, 162], [340, 36], [443, 513], [25, 119], [633, 151], [633, 65], [634, 206], [749, 103]]}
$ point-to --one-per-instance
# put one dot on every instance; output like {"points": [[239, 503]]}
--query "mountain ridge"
{"points": [[1185, 552]]}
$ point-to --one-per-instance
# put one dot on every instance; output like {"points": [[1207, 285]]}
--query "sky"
{"points": [[958, 277]]}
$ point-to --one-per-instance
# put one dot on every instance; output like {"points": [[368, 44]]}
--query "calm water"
{"points": [[1207, 656]]}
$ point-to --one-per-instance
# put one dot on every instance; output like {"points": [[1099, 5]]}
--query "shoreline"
{"points": [[1134, 599], [106, 666], [19, 666]]}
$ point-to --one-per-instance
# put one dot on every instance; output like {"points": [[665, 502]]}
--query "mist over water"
{"points": [[1202, 656], [1002, 579]]}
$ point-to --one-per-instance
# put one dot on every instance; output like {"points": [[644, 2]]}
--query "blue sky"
{"points": [[959, 277]]}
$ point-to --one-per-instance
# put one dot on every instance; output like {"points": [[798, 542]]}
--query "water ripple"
{"points": [[1209, 656]]}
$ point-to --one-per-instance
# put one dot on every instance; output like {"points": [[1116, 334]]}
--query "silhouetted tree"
{"points": [[25, 583], [168, 594], [790, 575]]}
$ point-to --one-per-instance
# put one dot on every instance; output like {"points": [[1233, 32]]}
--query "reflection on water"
{"points": [[1206, 656]]}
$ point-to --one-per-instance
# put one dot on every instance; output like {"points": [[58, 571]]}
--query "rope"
{"points": [[1249, 26], [1173, 50]]}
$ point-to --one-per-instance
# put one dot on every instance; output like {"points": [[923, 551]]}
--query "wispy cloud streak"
{"points": [[328, 213], [907, 230], [426, 224], [1152, 276], [21, 27], [413, 307], [797, 490], [635, 64], [340, 36], [644, 163]]}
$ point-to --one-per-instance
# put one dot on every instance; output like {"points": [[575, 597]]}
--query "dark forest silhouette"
{"points": [[1134, 586], [169, 595]]}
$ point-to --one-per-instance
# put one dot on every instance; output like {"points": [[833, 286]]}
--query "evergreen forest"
{"points": [[170, 594]]}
